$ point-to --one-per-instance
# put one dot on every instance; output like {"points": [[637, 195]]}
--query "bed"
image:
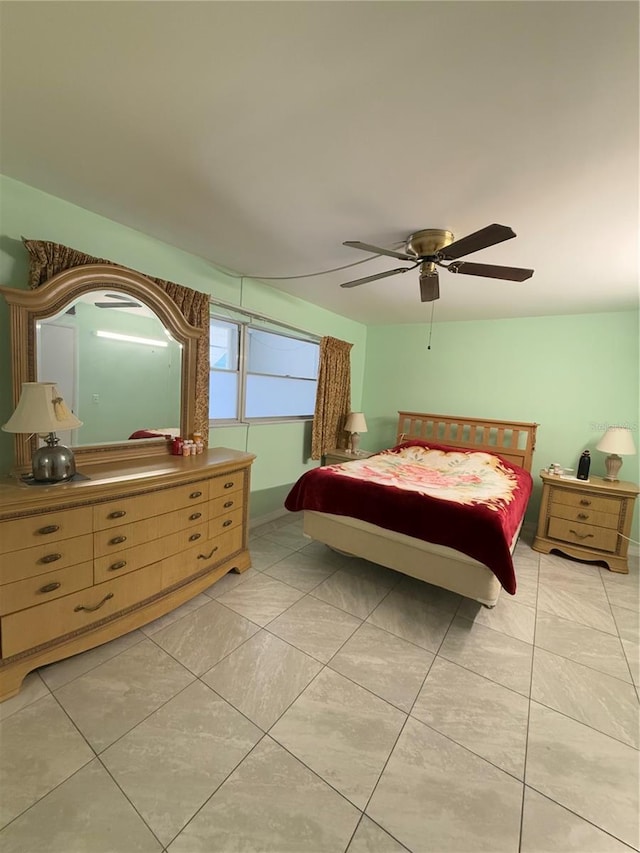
{"points": [[505, 446]]}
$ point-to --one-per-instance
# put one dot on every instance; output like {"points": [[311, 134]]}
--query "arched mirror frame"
{"points": [[27, 307]]}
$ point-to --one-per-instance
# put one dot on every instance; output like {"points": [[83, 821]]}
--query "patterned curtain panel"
{"points": [[48, 259], [333, 398]]}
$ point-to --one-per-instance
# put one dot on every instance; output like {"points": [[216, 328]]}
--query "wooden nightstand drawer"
{"points": [[585, 515], [585, 500], [583, 534]]}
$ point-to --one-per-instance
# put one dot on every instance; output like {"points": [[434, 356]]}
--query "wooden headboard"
{"points": [[514, 441]]}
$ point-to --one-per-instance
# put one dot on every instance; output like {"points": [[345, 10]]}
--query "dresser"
{"points": [[84, 562], [588, 520]]}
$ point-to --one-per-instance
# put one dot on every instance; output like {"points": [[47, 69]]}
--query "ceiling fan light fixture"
{"points": [[429, 283]]}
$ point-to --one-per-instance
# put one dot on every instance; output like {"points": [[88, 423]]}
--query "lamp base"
{"points": [[355, 442], [612, 464], [53, 463]]}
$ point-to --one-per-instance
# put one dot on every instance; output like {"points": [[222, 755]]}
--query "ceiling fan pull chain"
{"points": [[433, 306]]}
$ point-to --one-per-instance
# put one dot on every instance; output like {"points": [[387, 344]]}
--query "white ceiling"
{"points": [[261, 135]]}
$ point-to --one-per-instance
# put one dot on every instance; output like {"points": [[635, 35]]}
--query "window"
{"points": [[260, 374]]}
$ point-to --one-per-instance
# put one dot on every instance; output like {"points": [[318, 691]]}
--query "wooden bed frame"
{"points": [[435, 564]]}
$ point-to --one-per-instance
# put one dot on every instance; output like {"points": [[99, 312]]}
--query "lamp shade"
{"points": [[41, 409], [356, 423], [617, 440]]}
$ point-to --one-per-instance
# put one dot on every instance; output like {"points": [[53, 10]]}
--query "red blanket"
{"points": [[473, 502]]}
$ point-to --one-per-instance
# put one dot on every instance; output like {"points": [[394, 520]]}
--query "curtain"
{"points": [[333, 398], [47, 259]]}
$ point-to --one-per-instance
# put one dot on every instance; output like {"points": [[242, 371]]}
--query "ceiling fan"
{"points": [[428, 249], [118, 301]]}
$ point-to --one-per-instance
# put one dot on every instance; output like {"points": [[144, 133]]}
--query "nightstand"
{"points": [[337, 455], [588, 520]]}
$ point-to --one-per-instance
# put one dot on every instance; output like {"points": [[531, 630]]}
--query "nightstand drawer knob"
{"points": [[583, 515], [581, 535], [585, 502]]}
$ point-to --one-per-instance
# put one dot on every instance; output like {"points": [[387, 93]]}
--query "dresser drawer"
{"points": [[42, 588], [193, 560], [226, 504], [131, 559], [147, 529], [44, 558], [585, 514], [225, 523], [220, 486], [37, 529], [46, 622], [586, 500], [116, 513], [586, 535]]}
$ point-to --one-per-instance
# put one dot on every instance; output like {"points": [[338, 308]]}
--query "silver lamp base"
{"points": [[53, 463]]}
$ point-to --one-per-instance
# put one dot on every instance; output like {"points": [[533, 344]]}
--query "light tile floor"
{"points": [[323, 704]]}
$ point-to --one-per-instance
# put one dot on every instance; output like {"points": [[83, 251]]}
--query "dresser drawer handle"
{"points": [[194, 536], [195, 494], [50, 587], [581, 535], [227, 504], [227, 522], [585, 502], [117, 540], [96, 607], [229, 485], [119, 565], [118, 513], [50, 528], [583, 515], [194, 516], [50, 558], [209, 555]]}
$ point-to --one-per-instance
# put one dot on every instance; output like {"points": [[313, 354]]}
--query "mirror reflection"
{"points": [[115, 365]]}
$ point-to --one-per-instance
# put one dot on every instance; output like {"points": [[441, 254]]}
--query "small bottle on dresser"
{"points": [[583, 465]]}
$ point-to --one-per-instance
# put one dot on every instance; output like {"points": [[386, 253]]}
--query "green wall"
{"points": [[282, 449], [573, 375]]}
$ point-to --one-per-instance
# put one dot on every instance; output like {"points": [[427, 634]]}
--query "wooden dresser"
{"points": [[82, 563], [588, 520]]}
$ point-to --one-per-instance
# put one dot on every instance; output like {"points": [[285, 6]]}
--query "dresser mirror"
{"points": [[121, 353]]}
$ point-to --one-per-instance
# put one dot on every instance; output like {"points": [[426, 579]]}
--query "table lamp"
{"points": [[617, 441], [41, 410], [355, 425]]}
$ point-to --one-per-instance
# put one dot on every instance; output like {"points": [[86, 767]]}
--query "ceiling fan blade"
{"points": [[117, 305], [367, 247], [481, 239], [376, 276], [429, 287], [491, 271]]}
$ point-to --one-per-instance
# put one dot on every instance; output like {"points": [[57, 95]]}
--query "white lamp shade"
{"points": [[617, 440], [41, 409], [356, 423]]}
